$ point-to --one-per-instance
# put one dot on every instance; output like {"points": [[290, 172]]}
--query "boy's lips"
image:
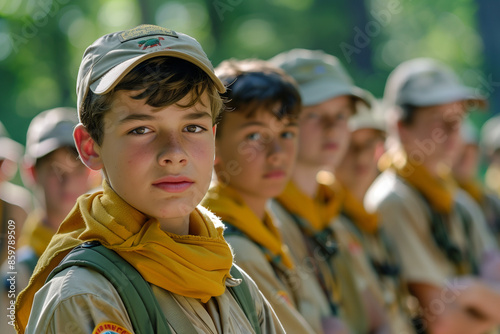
{"points": [[275, 174], [330, 146], [173, 184]]}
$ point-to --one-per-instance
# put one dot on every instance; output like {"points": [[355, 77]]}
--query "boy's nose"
{"points": [[275, 151], [172, 153]]}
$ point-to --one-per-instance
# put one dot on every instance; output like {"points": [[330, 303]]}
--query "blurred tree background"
{"points": [[42, 41]]}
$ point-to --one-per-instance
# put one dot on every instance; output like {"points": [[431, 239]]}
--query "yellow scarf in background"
{"points": [[226, 203], [438, 191], [36, 234], [355, 210], [318, 211], [474, 189], [189, 265]]}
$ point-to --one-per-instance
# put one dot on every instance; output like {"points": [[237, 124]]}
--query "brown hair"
{"points": [[162, 81], [254, 84]]}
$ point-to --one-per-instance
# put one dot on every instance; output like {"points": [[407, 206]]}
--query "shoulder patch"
{"points": [[110, 328]]}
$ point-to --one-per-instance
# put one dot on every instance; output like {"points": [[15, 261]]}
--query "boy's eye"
{"points": [[194, 128], [312, 115], [140, 130], [288, 135], [254, 136]]}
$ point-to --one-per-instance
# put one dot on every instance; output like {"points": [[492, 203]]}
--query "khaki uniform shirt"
{"points": [[406, 219], [311, 265], [279, 290], [77, 299], [383, 289]]}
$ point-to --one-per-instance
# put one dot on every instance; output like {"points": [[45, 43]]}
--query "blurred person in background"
{"points": [[465, 172], [57, 177], [310, 211], [255, 150], [15, 202], [490, 143], [440, 242], [352, 177]]}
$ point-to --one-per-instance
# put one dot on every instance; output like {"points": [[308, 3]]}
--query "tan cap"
{"points": [[48, 131], [425, 82], [9, 149], [490, 135], [320, 76], [367, 117], [112, 56]]}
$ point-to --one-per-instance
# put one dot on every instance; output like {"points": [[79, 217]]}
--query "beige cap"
{"points": [[367, 118], [48, 131], [490, 135], [9, 149], [425, 82], [320, 76], [112, 56]]}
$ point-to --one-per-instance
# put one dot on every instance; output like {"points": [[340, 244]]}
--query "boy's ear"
{"points": [[28, 174], [88, 149]]}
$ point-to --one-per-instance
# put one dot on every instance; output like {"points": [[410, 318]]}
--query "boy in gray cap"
{"points": [[434, 231], [354, 175], [309, 211], [57, 178], [143, 256]]}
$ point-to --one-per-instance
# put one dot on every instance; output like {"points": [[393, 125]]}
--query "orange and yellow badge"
{"points": [[284, 296], [110, 328]]}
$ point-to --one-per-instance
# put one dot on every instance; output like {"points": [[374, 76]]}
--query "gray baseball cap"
{"points": [[490, 135], [48, 131], [367, 117], [425, 82], [320, 76], [113, 56], [9, 149]]}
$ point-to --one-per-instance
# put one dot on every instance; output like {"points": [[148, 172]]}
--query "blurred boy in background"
{"points": [[440, 242], [57, 178], [354, 175], [308, 210], [465, 172], [256, 145]]}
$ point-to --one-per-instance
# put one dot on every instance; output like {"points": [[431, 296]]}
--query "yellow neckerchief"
{"points": [[473, 188], [318, 211], [194, 265], [226, 203], [355, 210], [438, 191], [36, 234]]}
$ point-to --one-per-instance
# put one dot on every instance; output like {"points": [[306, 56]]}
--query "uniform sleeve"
{"points": [[408, 228], [269, 322], [251, 259], [77, 300]]}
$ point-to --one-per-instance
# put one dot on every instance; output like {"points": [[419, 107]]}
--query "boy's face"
{"points": [[255, 155], [159, 160], [324, 133], [434, 134], [359, 165], [60, 179]]}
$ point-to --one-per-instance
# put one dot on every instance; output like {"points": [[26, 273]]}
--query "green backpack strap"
{"points": [[137, 296], [142, 306], [242, 295]]}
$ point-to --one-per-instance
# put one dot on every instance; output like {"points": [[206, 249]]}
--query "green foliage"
{"points": [[43, 40]]}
